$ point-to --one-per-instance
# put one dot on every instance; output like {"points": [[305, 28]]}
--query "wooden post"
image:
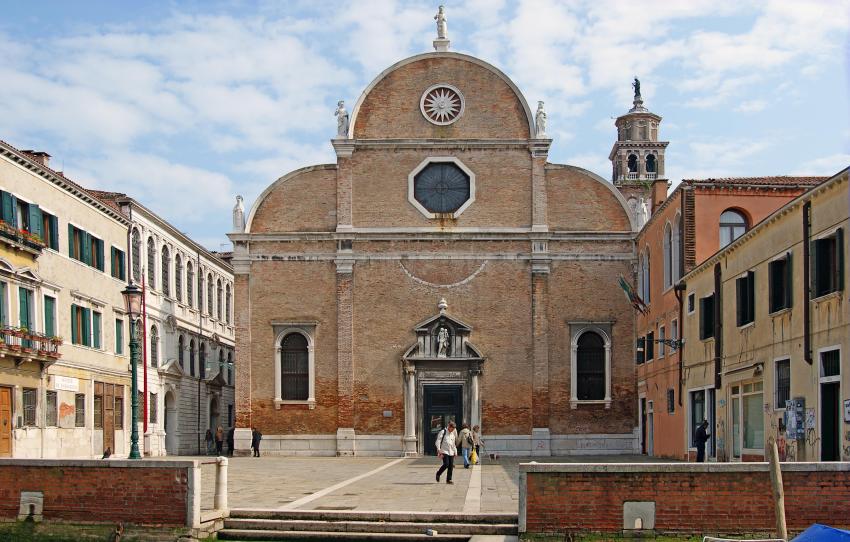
{"points": [[778, 491]]}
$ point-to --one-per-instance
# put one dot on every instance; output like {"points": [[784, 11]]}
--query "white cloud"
{"points": [[826, 165], [752, 106]]}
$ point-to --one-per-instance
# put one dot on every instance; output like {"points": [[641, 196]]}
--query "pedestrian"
{"points": [[466, 443], [219, 440], [208, 439], [256, 437], [700, 438], [476, 440], [230, 441], [446, 445]]}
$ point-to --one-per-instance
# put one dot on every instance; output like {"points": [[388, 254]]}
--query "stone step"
{"points": [[369, 515], [409, 527], [249, 534]]}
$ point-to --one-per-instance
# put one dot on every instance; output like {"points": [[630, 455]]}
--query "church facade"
{"points": [[442, 269]]}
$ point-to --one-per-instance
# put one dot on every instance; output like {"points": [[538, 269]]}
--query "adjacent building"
{"points": [[189, 332], [766, 319]]}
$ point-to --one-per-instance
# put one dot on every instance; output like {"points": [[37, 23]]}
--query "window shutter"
{"points": [[74, 337], [789, 281], [23, 309], [739, 301], [86, 243], [751, 295], [86, 327], [54, 233], [99, 243], [70, 241], [36, 226], [839, 258], [10, 209], [813, 258]]}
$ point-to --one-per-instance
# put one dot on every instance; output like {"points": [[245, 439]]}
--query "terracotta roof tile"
{"points": [[779, 180]]}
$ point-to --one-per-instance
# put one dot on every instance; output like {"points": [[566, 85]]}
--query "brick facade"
{"points": [[341, 254]]}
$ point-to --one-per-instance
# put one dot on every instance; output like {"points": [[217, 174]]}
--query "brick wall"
{"points": [[151, 493], [705, 499]]}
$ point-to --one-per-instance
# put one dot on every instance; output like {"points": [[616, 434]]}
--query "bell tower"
{"points": [[637, 157]]}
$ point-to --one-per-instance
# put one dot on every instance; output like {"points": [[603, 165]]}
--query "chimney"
{"points": [[659, 193], [38, 156]]}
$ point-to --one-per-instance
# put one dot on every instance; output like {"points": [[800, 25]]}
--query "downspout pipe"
{"points": [[680, 293], [718, 325], [807, 283]]}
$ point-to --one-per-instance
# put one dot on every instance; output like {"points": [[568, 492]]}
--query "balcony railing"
{"points": [[631, 176], [24, 343], [21, 237], [651, 175]]}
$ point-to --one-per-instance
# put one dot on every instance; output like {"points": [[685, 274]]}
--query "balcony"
{"points": [[20, 239], [23, 345], [651, 176], [631, 176]]}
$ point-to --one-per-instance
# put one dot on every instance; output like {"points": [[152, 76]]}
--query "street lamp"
{"points": [[133, 305]]}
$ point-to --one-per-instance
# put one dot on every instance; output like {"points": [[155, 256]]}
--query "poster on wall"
{"points": [[847, 411]]}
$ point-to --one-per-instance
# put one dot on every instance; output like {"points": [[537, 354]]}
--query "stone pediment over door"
{"points": [[442, 337]]}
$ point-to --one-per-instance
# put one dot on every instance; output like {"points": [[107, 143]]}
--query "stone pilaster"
{"points": [[539, 149], [540, 334], [409, 440], [345, 350], [344, 149], [242, 362]]}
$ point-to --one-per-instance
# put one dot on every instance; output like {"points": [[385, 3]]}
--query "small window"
{"points": [[151, 270], [780, 283], [830, 363], [30, 402], [153, 408], [691, 302], [661, 339], [80, 325], [166, 271], [674, 332], [218, 299], [190, 284], [119, 336], [640, 350], [98, 411], [745, 290], [828, 262], [192, 357], [50, 230], [671, 400], [119, 412], [706, 317], [650, 346], [210, 295], [80, 410], [178, 277], [732, 225], [228, 299], [52, 414], [181, 344], [783, 382], [117, 263]]}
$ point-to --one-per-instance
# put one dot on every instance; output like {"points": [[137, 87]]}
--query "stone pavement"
{"points": [[374, 483]]}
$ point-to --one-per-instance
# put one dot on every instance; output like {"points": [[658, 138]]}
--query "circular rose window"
{"points": [[442, 104]]}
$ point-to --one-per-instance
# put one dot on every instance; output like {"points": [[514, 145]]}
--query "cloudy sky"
{"points": [[183, 105]]}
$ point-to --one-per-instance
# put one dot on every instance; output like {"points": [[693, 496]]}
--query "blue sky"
{"points": [[183, 105]]}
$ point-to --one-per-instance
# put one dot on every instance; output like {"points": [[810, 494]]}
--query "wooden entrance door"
{"points": [[107, 406], [5, 422]]}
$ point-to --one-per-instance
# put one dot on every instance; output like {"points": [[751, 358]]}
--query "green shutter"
{"points": [[54, 232], [839, 257], [70, 241], [3, 316], [10, 208], [99, 244], [86, 327], [36, 226], [75, 339], [49, 316], [24, 305], [122, 274], [119, 336], [96, 329], [112, 261], [87, 242]]}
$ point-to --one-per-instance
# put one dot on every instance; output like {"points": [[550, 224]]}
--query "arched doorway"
{"points": [[171, 440], [214, 414]]}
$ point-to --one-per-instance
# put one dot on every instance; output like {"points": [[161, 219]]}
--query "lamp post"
{"points": [[133, 303]]}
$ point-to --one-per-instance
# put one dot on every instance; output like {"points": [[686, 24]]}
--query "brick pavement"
{"points": [[401, 485]]}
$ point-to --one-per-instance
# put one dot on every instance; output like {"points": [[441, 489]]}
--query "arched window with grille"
{"points": [[200, 290], [154, 347], [210, 294], [227, 304], [294, 370], [218, 293], [166, 268], [668, 256], [136, 255], [732, 225], [190, 284], [150, 275], [677, 249], [178, 277], [591, 350], [192, 357], [181, 343], [230, 367]]}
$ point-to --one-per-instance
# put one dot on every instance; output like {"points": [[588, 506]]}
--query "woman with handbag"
{"points": [[446, 445]]}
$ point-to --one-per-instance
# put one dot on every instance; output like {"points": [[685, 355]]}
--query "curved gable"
{"points": [[302, 200], [389, 107], [580, 200]]}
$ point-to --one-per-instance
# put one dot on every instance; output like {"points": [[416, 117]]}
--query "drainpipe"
{"points": [[807, 293], [718, 326], [200, 337], [680, 292]]}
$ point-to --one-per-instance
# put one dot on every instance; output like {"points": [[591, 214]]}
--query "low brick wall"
{"points": [[688, 498], [139, 492]]}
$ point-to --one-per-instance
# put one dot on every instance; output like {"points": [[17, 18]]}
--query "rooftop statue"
{"points": [[636, 84], [442, 28]]}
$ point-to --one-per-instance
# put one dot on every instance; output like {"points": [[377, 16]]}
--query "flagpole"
{"points": [[145, 354]]}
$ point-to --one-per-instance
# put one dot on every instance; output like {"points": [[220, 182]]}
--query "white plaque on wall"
{"points": [[66, 383]]}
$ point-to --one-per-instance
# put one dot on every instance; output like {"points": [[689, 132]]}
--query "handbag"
{"points": [[473, 458]]}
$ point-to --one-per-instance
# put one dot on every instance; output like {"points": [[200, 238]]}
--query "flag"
{"points": [[632, 296]]}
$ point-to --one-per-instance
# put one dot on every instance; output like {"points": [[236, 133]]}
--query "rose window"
{"points": [[442, 104]]}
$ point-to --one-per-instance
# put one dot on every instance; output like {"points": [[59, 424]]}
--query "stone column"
{"points": [[409, 439], [345, 438], [475, 399], [539, 149], [540, 265], [641, 164], [344, 218], [660, 166], [242, 362]]}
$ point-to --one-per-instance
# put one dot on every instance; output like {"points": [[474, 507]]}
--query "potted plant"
{"points": [[56, 339]]}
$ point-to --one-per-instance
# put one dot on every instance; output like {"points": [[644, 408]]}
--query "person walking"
{"points": [[219, 440], [256, 437], [476, 440], [208, 439], [701, 436], [466, 444], [230, 441], [446, 445]]}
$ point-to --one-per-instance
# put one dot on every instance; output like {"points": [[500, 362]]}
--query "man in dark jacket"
{"points": [[230, 441], [256, 437], [700, 438]]}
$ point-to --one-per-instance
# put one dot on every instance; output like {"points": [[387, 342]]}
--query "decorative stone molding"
{"points": [[577, 329]]}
